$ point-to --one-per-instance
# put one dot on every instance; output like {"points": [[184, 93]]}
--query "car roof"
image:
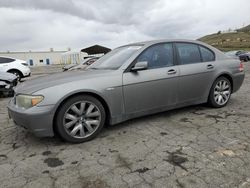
{"points": [[145, 44], [165, 40]]}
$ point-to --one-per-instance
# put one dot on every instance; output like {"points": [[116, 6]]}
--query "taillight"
{"points": [[241, 68]]}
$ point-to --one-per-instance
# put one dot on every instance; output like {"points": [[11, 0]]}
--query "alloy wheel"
{"points": [[222, 92], [82, 119]]}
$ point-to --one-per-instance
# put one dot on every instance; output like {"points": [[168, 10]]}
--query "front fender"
{"points": [[110, 90]]}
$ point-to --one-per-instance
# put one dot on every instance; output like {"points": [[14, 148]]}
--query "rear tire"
{"points": [[220, 92], [80, 119]]}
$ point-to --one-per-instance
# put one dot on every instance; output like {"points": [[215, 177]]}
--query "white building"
{"points": [[38, 58]]}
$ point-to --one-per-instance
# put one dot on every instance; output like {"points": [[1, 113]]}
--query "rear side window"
{"points": [[188, 53], [6, 60], [206, 54]]}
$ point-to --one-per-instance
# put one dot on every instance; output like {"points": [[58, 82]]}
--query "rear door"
{"points": [[196, 64], [154, 88]]}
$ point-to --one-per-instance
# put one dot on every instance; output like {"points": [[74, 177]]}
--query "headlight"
{"points": [[28, 101]]}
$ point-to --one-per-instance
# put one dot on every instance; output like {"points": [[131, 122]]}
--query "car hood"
{"points": [[31, 86], [5, 76]]}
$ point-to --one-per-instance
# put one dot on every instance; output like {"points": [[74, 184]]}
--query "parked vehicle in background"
{"points": [[7, 82], [130, 81], [84, 65], [86, 62], [245, 57], [15, 66], [235, 54]]}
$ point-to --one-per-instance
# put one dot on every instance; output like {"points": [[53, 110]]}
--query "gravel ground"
{"points": [[189, 147]]}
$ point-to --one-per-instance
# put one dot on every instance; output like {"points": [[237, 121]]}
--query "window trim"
{"points": [[214, 59], [128, 69]]}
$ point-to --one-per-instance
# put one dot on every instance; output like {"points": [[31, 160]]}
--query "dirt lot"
{"points": [[190, 147]]}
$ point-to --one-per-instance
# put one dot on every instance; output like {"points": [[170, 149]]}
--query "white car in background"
{"points": [[15, 66]]}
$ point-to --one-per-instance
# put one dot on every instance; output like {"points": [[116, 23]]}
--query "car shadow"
{"points": [[153, 117], [108, 130]]}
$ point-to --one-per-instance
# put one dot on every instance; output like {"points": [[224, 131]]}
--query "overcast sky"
{"points": [[42, 24]]}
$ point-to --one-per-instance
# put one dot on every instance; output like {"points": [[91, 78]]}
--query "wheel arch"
{"points": [[13, 69], [229, 77], [226, 75], [93, 94]]}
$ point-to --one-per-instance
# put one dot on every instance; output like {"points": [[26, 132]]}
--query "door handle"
{"points": [[210, 66], [172, 71]]}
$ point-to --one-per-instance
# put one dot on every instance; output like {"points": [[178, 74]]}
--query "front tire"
{"points": [[80, 119], [220, 92]]}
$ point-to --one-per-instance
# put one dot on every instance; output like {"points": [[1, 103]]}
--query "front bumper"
{"points": [[28, 75], [6, 86], [26, 72], [38, 120]]}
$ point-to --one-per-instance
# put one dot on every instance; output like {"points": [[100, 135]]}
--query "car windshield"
{"points": [[115, 58]]}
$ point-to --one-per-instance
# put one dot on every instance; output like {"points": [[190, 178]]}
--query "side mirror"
{"points": [[143, 65]]}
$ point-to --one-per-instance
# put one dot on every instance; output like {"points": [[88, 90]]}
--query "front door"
{"points": [[154, 88]]}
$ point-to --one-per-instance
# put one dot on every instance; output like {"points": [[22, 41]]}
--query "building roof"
{"points": [[96, 49]]}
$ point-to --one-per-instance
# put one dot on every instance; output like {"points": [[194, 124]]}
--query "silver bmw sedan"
{"points": [[130, 81]]}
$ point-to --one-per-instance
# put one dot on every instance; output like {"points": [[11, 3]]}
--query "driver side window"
{"points": [[157, 56]]}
